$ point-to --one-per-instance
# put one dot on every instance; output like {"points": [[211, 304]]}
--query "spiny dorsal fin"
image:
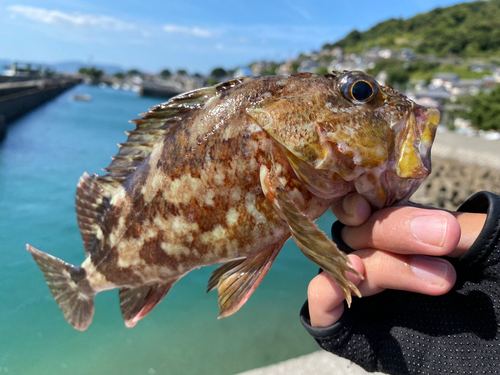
{"points": [[223, 86], [150, 129], [91, 198]]}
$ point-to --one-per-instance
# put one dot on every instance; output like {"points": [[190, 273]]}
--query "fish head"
{"points": [[347, 127]]}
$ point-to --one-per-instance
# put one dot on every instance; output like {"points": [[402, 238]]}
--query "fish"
{"points": [[225, 175]]}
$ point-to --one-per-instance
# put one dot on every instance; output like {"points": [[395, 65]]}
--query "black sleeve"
{"points": [[400, 332]]}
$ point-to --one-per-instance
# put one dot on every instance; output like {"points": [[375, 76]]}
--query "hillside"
{"points": [[465, 30]]}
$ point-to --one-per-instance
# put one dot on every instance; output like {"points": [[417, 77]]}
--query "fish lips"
{"points": [[414, 141], [410, 164]]}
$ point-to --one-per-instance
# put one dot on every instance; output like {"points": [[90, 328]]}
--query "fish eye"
{"points": [[361, 91], [359, 87]]}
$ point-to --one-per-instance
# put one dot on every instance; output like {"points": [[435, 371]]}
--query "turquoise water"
{"points": [[41, 160]]}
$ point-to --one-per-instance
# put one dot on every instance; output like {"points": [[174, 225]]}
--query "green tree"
{"points": [[182, 72], [270, 69], [212, 81], [383, 65], [165, 74], [321, 71], [397, 74], [133, 72], [485, 110], [218, 73], [119, 75], [354, 37], [92, 72], [469, 29]]}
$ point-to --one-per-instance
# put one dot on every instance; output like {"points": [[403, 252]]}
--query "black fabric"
{"points": [[407, 333], [337, 237]]}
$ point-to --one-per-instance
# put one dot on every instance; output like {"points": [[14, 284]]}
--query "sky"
{"points": [[197, 36]]}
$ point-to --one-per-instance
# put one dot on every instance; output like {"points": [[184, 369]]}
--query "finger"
{"points": [[352, 209], [326, 301], [413, 273], [406, 230]]}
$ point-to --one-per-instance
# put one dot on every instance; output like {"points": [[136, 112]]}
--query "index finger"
{"points": [[406, 230], [352, 209]]}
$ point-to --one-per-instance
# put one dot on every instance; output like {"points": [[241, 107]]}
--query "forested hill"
{"points": [[467, 30]]}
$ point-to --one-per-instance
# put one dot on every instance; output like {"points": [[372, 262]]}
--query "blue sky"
{"points": [[194, 35]]}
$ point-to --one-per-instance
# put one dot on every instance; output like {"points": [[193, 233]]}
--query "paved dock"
{"points": [[467, 149], [317, 363]]}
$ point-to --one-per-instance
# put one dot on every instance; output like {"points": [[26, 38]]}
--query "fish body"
{"points": [[227, 175]]}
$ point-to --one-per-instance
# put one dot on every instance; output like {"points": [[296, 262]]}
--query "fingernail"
{"points": [[430, 270], [429, 229], [348, 205]]}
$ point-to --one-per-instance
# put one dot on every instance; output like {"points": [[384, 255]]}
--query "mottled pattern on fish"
{"points": [[226, 175]]}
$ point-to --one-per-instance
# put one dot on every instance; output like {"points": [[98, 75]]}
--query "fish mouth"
{"points": [[415, 142]]}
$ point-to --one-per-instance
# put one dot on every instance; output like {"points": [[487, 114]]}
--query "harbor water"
{"points": [[41, 160]]}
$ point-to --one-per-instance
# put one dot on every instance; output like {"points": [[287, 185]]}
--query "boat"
{"points": [[81, 97]]}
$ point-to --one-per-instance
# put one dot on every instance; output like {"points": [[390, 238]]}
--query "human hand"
{"points": [[396, 248]]}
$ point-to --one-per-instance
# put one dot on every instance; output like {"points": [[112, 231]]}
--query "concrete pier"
{"points": [[20, 97], [159, 91]]}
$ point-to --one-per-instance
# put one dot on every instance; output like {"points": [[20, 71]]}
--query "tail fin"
{"points": [[69, 286]]}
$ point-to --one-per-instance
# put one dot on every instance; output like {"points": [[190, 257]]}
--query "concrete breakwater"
{"points": [[159, 91], [18, 98], [452, 181]]}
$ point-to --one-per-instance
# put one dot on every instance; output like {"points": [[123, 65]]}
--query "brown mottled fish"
{"points": [[227, 174]]}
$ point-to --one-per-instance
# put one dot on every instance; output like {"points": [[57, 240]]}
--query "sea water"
{"points": [[41, 161]]}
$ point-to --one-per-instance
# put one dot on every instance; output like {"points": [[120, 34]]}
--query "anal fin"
{"points": [[136, 303], [221, 270], [237, 284]]}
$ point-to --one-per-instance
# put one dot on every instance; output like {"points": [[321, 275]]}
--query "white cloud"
{"points": [[300, 11], [53, 17], [194, 31]]}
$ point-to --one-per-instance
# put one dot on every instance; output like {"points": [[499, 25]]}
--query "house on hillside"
{"points": [[466, 87], [244, 71], [285, 68], [308, 66], [445, 80]]}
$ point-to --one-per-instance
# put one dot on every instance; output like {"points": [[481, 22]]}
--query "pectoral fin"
{"points": [[316, 245], [237, 284], [136, 303]]}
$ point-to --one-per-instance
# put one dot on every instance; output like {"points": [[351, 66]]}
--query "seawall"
{"points": [[20, 97], [461, 166], [159, 91], [452, 182]]}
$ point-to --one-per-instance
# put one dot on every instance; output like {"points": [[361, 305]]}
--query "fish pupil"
{"points": [[361, 91]]}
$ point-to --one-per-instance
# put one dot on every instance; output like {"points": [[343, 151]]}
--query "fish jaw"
{"points": [[393, 182], [414, 159]]}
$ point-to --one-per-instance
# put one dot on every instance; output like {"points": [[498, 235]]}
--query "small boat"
{"points": [[82, 97]]}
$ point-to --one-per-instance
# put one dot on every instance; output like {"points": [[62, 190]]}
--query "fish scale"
{"points": [[226, 175]]}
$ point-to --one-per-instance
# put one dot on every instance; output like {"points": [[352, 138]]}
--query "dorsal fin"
{"points": [[94, 193], [91, 201], [226, 85], [150, 129]]}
